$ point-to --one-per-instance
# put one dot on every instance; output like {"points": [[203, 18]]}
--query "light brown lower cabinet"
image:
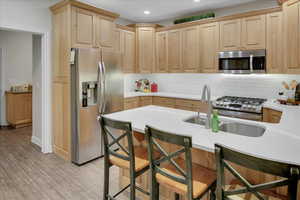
{"points": [[130, 103], [271, 116], [145, 101], [19, 109], [164, 102], [183, 104]]}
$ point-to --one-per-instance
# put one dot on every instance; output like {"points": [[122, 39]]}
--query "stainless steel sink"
{"points": [[232, 127], [243, 129], [196, 120]]}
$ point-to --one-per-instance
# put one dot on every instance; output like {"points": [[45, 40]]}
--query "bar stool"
{"points": [[127, 157], [179, 175], [289, 172]]}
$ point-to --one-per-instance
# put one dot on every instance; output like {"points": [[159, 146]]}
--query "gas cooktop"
{"points": [[243, 104]]}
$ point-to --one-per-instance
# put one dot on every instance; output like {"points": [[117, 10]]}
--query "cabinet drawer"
{"points": [[271, 116], [163, 101], [145, 101], [181, 107], [130, 103]]}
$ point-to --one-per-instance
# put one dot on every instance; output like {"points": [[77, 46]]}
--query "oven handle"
{"points": [[251, 63]]}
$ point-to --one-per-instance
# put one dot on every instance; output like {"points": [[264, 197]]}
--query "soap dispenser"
{"points": [[215, 121]]}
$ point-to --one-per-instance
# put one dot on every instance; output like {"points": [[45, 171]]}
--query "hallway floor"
{"points": [[27, 174]]}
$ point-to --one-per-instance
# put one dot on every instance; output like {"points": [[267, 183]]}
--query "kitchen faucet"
{"points": [[206, 97]]}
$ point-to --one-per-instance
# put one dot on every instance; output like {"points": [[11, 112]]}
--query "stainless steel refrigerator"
{"points": [[96, 88]]}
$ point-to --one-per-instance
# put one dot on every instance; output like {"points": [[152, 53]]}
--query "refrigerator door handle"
{"points": [[100, 87], [104, 88]]}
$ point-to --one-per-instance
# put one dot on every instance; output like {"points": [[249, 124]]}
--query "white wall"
{"points": [[17, 62], [261, 4], [37, 92], [261, 86], [27, 15]]}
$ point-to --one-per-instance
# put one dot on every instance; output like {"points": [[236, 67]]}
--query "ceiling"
{"points": [[162, 9]]}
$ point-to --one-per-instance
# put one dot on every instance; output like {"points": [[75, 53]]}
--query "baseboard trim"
{"points": [[36, 140]]}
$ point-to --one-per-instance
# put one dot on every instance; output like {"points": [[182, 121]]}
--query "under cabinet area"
{"points": [[271, 116]]}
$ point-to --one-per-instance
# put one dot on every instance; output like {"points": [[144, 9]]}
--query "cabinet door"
{"points": [[105, 33], [254, 32], [209, 45], [129, 54], [161, 52], [118, 41], [174, 51], [146, 43], [84, 25], [230, 35], [291, 37], [274, 43], [190, 49], [28, 107]]}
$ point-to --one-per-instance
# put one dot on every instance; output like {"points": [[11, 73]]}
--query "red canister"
{"points": [[154, 87]]}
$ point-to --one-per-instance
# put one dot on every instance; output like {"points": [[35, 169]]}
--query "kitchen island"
{"points": [[280, 142]]}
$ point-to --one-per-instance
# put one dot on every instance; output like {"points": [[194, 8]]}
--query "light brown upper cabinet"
{"points": [[83, 28], [209, 46], [105, 33], [274, 43], [174, 51], [291, 37], [230, 35], [129, 52], [146, 49], [161, 52], [118, 40], [190, 50], [254, 32]]}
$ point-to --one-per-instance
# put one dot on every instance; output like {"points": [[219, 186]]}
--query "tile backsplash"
{"points": [[254, 85]]}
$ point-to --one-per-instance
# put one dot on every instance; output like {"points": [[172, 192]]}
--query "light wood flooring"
{"points": [[27, 174]]}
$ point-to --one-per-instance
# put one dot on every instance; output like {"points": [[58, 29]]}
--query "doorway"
{"points": [[22, 65]]}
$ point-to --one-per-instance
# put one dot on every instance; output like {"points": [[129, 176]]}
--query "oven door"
{"points": [[242, 62], [234, 65]]}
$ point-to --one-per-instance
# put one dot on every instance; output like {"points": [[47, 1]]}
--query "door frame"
{"points": [[46, 140]]}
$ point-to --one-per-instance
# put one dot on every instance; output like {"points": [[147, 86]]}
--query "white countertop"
{"points": [[280, 142]]}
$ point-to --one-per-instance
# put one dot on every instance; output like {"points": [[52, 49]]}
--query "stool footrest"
{"points": [[142, 190], [121, 191]]}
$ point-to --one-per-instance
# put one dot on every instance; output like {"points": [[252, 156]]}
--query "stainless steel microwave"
{"points": [[242, 62]]}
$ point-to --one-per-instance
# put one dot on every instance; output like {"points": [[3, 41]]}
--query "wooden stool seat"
{"points": [[203, 178], [141, 159], [248, 196]]}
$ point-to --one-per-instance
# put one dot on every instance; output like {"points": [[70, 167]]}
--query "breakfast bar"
{"points": [[280, 142]]}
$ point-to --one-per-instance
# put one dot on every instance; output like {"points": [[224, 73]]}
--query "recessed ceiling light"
{"points": [[197, 1], [147, 12]]}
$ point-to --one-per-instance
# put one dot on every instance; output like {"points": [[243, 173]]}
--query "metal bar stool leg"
{"points": [[154, 193], [213, 192], [106, 182], [177, 197], [132, 186]]}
